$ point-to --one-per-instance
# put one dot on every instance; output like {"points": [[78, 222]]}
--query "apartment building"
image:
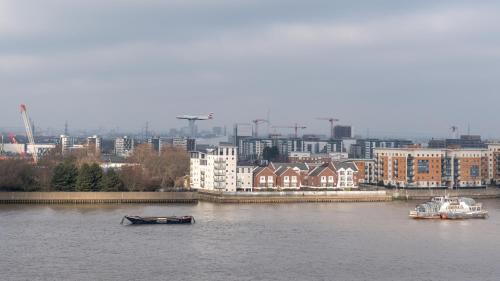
{"points": [[244, 177], [493, 163], [214, 169], [94, 145], [124, 146], [432, 168]]}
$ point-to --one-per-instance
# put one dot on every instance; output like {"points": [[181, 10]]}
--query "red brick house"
{"points": [[264, 178], [324, 176]]}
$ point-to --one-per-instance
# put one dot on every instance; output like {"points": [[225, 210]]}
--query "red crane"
{"points": [[296, 128], [256, 122], [332, 121]]}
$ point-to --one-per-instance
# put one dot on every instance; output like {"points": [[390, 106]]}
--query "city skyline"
{"points": [[392, 68]]}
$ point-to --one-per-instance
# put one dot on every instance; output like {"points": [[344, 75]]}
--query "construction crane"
{"points": [[29, 132], [295, 127], [256, 123], [332, 121], [193, 118]]}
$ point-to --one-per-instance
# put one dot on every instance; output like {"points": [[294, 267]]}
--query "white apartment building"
{"points": [[244, 178], [214, 169], [124, 146], [66, 143]]}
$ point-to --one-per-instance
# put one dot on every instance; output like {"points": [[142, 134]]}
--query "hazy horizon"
{"points": [[407, 69]]}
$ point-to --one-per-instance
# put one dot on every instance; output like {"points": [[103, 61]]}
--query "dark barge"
{"points": [[159, 220]]}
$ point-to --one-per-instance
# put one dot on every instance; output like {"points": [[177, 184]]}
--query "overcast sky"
{"points": [[395, 67]]}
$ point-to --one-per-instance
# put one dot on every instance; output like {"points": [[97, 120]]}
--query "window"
{"points": [[330, 178], [262, 179], [474, 171], [323, 179], [423, 166], [286, 178]]}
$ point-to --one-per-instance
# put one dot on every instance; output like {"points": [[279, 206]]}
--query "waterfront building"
{"points": [[430, 168], [493, 163], [214, 169], [366, 171], [244, 177], [124, 146]]}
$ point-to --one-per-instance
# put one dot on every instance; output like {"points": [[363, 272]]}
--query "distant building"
{"points": [[124, 146], [342, 132], [94, 145], [364, 148], [465, 141], [187, 144], [66, 142], [252, 148], [154, 143], [310, 158]]}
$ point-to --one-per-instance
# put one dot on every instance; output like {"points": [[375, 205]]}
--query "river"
{"points": [[343, 241]]}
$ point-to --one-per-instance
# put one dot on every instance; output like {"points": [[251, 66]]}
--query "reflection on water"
{"points": [[346, 241]]}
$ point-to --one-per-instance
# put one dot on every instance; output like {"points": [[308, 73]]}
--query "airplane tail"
{"points": [[211, 115]]}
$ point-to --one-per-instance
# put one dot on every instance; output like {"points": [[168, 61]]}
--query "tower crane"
{"points": [[256, 123], [332, 121], [296, 128], [29, 132]]}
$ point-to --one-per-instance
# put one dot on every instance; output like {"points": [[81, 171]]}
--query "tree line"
{"points": [[147, 170]]}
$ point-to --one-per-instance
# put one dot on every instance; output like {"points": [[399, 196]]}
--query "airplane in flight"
{"points": [[193, 118]]}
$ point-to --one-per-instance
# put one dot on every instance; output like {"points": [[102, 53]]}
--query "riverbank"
{"points": [[97, 197], [295, 197], [237, 197], [408, 194]]}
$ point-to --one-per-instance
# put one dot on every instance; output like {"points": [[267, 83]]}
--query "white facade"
{"points": [[214, 169], [345, 178], [66, 143], [124, 146], [40, 149], [244, 178]]}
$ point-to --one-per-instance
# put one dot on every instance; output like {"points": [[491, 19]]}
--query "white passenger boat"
{"points": [[449, 208]]}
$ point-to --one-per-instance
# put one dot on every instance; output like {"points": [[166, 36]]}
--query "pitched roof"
{"points": [[258, 170], [318, 170], [300, 166], [345, 165]]}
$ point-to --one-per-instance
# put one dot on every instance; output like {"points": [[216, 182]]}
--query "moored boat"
{"points": [[159, 220], [449, 208]]}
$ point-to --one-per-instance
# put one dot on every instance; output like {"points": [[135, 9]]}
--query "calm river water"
{"points": [[344, 241]]}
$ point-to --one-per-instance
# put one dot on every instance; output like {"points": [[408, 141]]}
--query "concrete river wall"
{"points": [[237, 197], [408, 194], [96, 197], [295, 197]]}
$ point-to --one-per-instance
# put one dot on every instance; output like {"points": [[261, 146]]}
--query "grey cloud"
{"points": [[386, 65]]}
